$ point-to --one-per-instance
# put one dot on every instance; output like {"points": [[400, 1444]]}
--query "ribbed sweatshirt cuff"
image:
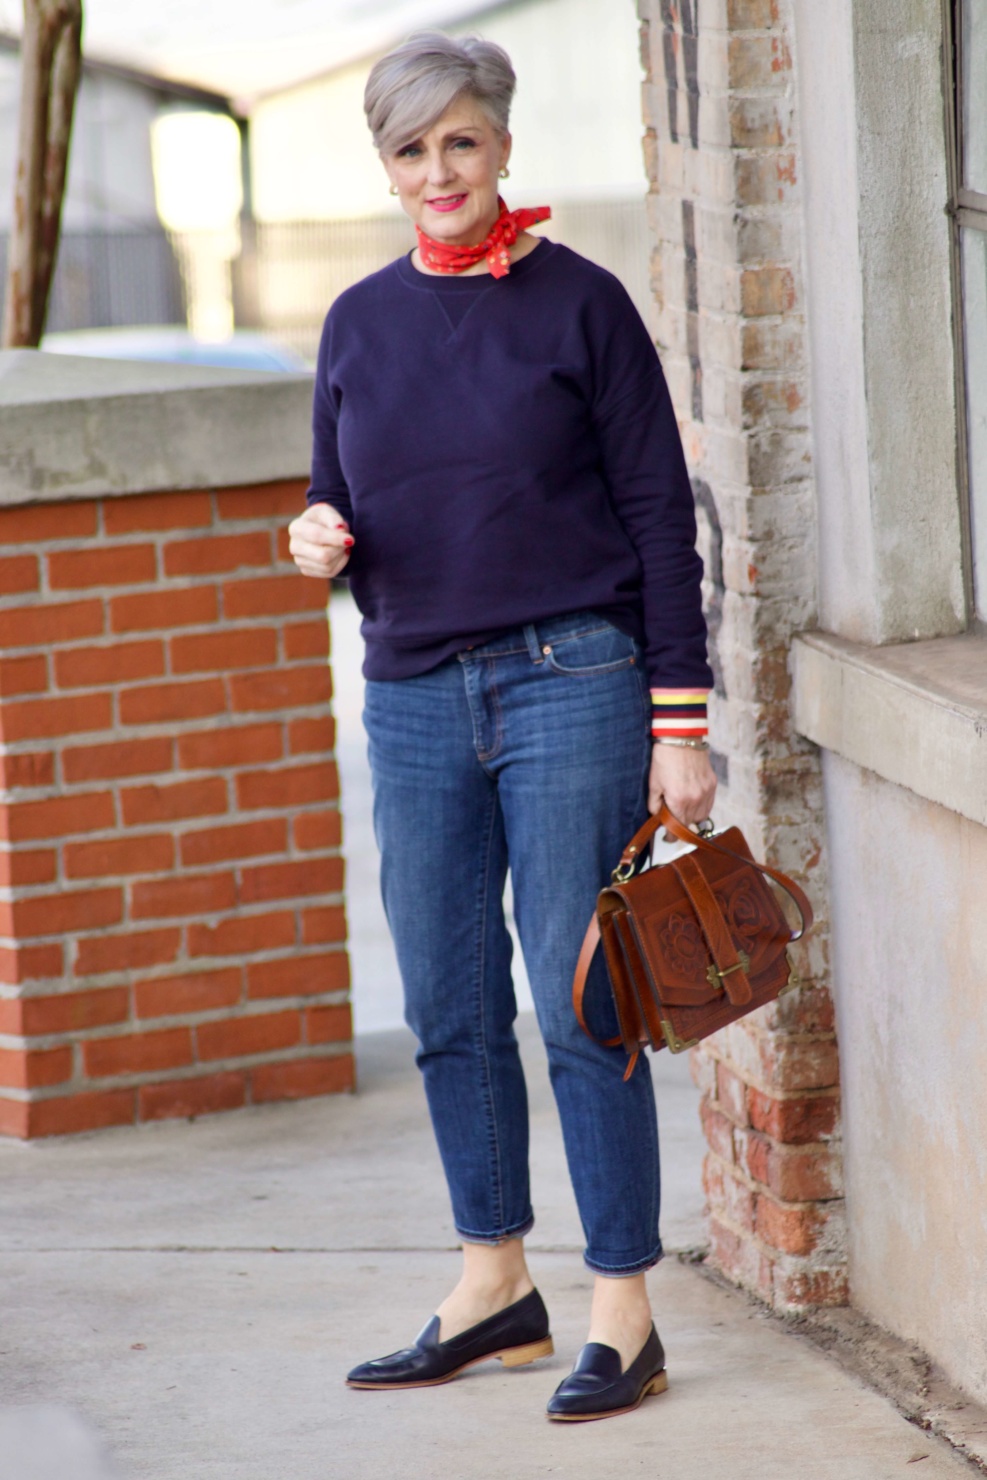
{"points": [[679, 713]]}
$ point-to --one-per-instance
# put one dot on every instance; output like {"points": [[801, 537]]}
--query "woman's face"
{"points": [[447, 179]]}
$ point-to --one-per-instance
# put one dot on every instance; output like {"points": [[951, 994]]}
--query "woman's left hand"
{"points": [[684, 779]]}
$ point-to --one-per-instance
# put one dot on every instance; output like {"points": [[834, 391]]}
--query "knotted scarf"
{"points": [[496, 246]]}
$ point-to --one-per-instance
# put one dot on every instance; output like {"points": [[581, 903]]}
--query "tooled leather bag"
{"points": [[690, 945]]}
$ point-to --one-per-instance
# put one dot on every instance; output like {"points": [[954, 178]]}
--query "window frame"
{"points": [[966, 209]]}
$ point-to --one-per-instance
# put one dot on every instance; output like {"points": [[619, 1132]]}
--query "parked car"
{"points": [[244, 350]]}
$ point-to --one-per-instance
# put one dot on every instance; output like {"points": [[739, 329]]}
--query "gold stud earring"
{"points": [[505, 173], [394, 190]]}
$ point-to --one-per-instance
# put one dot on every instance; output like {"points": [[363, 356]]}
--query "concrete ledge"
{"points": [[916, 713], [74, 427]]}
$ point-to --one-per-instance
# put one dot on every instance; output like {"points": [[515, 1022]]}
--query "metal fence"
{"points": [[287, 274], [283, 277], [104, 279]]}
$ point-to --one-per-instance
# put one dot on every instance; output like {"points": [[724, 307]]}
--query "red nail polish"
{"points": [[340, 526], [348, 543]]}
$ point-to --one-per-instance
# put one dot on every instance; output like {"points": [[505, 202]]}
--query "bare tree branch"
{"points": [[50, 68]]}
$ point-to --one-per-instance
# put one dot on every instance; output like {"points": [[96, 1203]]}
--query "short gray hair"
{"points": [[411, 87]]}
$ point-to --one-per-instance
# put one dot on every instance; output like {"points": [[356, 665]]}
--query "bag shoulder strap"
{"points": [[586, 953]]}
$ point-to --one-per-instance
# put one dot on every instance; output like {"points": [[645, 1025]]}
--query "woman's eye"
{"points": [[464, 144], [410, 151]]}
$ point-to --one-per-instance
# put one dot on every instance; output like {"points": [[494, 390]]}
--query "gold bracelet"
{"points": [[681, 740]]}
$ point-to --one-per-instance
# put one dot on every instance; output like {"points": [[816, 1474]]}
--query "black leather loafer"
{"points": [[596, 1387], [517, 1335]]}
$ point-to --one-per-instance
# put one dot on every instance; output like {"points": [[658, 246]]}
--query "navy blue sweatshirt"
{"points": [[505, 450]]}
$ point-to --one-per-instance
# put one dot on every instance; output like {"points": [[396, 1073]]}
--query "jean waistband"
{"points": [[533, 636]]}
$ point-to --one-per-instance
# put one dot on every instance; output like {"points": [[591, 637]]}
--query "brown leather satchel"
{"points": [[690, 945]]}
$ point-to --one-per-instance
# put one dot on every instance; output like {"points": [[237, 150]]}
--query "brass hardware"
{"points": [[625, 868], [675, 1043], [715, 977], [706, 828], [547, 649], [793, 983]]}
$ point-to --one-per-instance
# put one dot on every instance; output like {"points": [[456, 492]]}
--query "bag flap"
{"points": [[670, 936]]}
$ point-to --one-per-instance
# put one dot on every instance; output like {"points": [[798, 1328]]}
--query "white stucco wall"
{"points": [[908, 892], [576, 121]]}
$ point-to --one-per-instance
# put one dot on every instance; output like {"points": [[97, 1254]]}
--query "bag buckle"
{"points": [[715, 977]]}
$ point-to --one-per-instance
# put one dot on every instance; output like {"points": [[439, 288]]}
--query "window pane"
{"points": [[974, 246], [973, 22]]}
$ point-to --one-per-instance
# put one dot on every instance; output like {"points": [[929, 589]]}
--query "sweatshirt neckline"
{"points": [[478, 282]]}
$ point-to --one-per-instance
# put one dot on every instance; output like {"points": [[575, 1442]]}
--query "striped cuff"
{"points": [[679, 712]]}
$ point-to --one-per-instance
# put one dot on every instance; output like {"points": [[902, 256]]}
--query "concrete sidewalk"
{"points": [[195, 1294]]}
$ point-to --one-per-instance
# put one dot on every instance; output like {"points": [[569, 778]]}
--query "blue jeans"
{"points": [[529, 752]]}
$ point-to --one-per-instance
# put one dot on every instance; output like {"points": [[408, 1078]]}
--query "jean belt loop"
{"points": [[531, 638]]}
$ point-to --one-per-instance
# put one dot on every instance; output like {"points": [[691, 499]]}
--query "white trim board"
{"points": [[914, 713]]}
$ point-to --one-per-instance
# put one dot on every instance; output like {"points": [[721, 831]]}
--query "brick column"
{"points": [[721, 148], [172, 935]]}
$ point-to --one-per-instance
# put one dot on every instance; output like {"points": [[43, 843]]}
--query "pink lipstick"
{"points": [[445, 203]]}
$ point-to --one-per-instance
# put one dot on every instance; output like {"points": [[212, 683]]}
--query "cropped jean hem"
{"points": [[624, 1271], [492, 1239]]}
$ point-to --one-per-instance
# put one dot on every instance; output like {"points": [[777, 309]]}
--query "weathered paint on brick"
{"points": [[721, 151]]}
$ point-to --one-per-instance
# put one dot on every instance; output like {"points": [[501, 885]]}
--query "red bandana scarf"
{"points": [[496, 247]]}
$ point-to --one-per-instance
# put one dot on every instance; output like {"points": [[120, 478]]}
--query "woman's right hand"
{"points": [[319, 541]]}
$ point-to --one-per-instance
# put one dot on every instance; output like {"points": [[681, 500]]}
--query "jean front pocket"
{"points": [[601, 649]]}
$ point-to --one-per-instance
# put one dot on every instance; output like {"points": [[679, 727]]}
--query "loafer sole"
{"points": [[510, 1356], [656, 1384]]}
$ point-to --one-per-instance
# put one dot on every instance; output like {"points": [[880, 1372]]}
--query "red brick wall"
{"points": [[172, 933]]}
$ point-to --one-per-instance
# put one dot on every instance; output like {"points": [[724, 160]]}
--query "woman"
{"points": [[498, 472]]}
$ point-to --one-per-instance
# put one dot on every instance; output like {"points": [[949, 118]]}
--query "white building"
{"points": [[116, 264], [576, 121]]}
